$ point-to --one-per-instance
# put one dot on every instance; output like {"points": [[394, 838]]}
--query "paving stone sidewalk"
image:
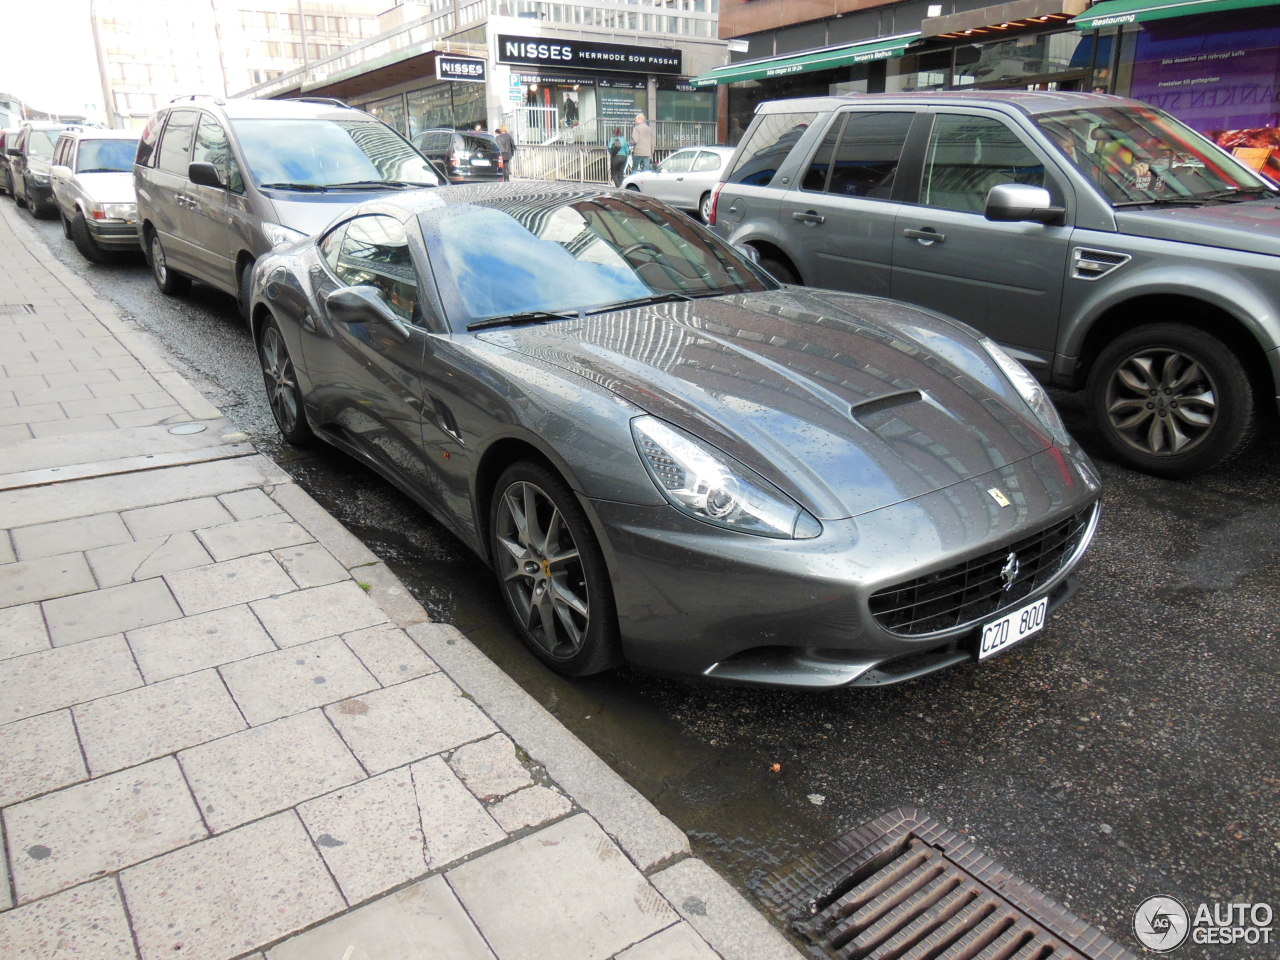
{"points": [[227, 730]]}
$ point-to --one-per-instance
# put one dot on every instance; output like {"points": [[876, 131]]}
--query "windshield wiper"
{"points": [[284, 185], [1156, 201], [1239, 193], [376, 184], [641, 302], [532, 316]]}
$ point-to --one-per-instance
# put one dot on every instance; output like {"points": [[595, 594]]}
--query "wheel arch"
{"points": [[769, 250], [1195, 312]]}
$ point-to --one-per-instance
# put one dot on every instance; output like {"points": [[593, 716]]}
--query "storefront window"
{"points": [[468, 104], [432, 107], [688, 105], [919, 71], [389, 111]]}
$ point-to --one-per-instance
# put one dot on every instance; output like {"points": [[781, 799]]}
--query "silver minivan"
{"points": [[1101, 242], [220, 182]]}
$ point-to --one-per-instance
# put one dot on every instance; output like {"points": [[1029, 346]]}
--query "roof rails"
{"points": [[329, 100], [199, 96]]}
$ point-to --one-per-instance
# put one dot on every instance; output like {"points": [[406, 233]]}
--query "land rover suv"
{"points": [[1103, 243], [221, 182]]}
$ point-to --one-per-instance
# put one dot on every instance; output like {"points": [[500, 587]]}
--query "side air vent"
{"points": [[1095, 264]]}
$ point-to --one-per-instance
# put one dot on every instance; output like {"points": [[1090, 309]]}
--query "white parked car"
{"points": [[93, 188], [685, 179]]}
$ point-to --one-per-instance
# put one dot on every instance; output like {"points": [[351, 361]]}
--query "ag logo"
{"points": [[1161, 923]]}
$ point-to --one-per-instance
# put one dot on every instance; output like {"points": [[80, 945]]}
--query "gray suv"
{"points": [[1103, 243], [221, 182]]}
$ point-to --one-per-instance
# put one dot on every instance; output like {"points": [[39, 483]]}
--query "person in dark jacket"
{"points": [[507, 146], [619, 153]]}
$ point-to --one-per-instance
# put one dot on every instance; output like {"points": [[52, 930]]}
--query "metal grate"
{"points": [[13, 309], [906, 888], [973, 591]]}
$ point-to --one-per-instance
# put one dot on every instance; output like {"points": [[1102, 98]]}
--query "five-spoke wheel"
{"points": [[282, 386]]}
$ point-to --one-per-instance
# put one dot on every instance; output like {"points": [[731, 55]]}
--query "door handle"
{"points": [[809, 216], [927, 237]]}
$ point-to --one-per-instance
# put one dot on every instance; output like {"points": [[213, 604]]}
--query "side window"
{"points": [[678, 162], [375, 252], [331, 244], [968, 155], [706, 162], [768, 142], [212, 147], [175, 145], [147, 142], [60, 151], [859, 158]]}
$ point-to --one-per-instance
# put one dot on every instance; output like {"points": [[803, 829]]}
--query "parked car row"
{"points": [[1104, 244], [666, 455]]}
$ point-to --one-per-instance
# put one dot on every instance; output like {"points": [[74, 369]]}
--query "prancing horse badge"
{"points": [[998, 496]]}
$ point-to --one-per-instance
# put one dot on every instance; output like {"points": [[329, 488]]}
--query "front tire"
{"points": [[84, 241], [283, 393], [244, 288], [1171, 400], [169, 283], [552, 572]]}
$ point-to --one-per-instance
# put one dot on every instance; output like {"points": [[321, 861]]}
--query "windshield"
{"points": [[566, 255], [106, 156], [1142, 155], [321, 153], [41, 143]]}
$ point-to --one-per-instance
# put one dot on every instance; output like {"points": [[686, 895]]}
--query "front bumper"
{"points": [[114, 233], [695, 599]]}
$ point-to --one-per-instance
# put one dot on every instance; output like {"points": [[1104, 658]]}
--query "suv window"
{"points": [[212, 147], [968, 155], [767, 144], [175, 145], [859, 155], [147, 143], [39, 143], [62, 152], [375, 252]]}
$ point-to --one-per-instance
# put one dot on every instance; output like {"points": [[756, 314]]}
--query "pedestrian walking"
{"points": [[507, 147], [642, 144], [619, 154]]}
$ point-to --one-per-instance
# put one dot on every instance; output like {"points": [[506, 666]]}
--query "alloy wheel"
{"points": [[1161, 401], [158, 264], [282, 384], [542, 570]]}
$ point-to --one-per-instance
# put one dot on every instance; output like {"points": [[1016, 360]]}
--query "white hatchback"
{"points": [[685, 179]]}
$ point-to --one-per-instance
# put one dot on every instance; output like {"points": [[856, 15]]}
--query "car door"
{"points": [[1006, 279], [218, 215], [666, 183], [839, 218], [702, 177], [366, 376], [169, 210]]}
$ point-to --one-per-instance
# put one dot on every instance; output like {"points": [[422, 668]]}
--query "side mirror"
{"points": [[364, 304], [60, 172], [204, 175], [1014, 202]]}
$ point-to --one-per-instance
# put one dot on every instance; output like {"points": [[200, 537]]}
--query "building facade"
{"points": [[1213, 63], [566, 70], [150, 51]]}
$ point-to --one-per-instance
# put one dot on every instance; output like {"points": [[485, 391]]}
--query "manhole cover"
{"points": [[12, 309], [185, 428], [906, 888]]}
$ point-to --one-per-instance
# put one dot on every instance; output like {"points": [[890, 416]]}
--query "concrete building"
{"points": [[150, 51]]}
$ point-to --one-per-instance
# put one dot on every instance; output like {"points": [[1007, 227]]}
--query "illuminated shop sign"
{"points": [[546, 51], [466, 69]]}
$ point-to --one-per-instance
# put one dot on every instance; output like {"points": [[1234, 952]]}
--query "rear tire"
{"points": [[552, 573], [704, 207], [169, 283], [779, 270], [1171, 400], [84, 241]]}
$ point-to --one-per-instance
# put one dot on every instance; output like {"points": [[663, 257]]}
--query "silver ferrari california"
{"points": [[665, 455]]}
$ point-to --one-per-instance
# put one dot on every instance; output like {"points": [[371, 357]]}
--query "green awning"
{"points": [[1115, 13], [828, 57]]}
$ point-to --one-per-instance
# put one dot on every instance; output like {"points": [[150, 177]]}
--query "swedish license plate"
{"points": [[479, 162], [1008, 630]]}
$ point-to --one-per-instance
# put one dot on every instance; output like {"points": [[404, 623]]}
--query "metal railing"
{"points": [[559, 161]]}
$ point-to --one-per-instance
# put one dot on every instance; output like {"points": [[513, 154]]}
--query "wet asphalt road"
{"points": [[1131, 749]]}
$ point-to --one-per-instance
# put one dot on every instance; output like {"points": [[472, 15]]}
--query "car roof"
{"points": [[97, 134], [1025, 101], [249, 108]]}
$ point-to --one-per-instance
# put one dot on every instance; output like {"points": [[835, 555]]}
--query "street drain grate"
{"points": [[13, 309], [906, 888]]}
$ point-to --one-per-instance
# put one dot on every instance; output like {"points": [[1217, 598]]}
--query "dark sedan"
{"points": [[665, 455]]}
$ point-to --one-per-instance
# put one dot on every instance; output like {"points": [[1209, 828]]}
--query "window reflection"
{"points": [[374, 252]]}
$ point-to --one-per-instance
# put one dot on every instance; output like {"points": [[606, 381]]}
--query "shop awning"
{"points": [[1114, 13], [880, 49]]}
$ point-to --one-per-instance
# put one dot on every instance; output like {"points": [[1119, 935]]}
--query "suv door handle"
{"points": [[927, 236], [809, 216]]}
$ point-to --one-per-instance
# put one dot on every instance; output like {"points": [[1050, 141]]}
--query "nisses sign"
{"points": [[579, 53], [460, 68]]}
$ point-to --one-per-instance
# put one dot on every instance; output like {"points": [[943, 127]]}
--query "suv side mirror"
{"points": [[364, 304], [1013, 202], [204, 175]]}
